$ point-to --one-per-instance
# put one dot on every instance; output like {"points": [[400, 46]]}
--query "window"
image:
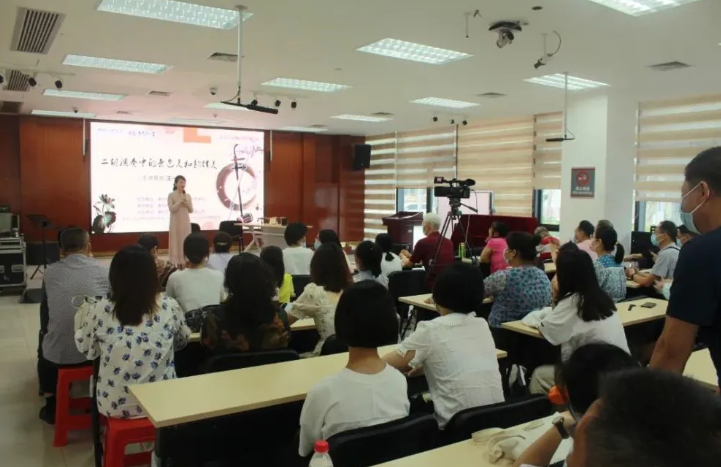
{"points": [[414, 199], [651, 213], [547, 208]]}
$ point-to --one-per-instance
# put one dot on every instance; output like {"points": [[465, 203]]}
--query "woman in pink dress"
{"points": [[495, 246], [180, 205]]}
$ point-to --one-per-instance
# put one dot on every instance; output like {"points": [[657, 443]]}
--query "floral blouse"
{"points": [[220, 334], [317, 303], [516, 292], [129, 354], [611, 277]]}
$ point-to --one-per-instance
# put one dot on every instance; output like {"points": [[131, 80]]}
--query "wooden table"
{"points": [[306, 324], [420, 301], [265, 234], [628, 317], [701, 368]]}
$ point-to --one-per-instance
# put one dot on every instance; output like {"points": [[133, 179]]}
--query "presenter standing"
{"points": [[180, 205]]}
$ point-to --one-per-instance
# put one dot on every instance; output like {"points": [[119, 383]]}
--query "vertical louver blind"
{"points": [[423, 155], [547, 156], [498, 155], [380, 184], [670, 134]]}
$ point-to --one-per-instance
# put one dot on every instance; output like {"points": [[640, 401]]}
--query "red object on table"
{"points": [[477, 227], [400, 225]]}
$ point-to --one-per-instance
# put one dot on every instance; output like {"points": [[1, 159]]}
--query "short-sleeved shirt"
{"points": [[317, 303], [611, 277], [498, 246], [585, 246], [666, 261], [424, 251], [196, 288], [297, 259], [696, 290], [516, 292]]}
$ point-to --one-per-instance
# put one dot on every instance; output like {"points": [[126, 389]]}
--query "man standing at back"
{"points": [[425, 250], [695, 303], [76, 274]]}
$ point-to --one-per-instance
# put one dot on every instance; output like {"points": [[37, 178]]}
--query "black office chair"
{"points": [[404, 284], [377, 444], [235, 231], [501, 415], [240, 360], [299, 283], [333, 346]]}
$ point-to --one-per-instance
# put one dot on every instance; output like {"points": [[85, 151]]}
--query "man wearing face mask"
{"points": [[695, 302], [665, 261]]}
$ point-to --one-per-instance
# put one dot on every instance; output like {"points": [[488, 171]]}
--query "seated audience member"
{"points": [[609, 265], [164, 268], [584, 314], [545, 243], [330, 277], [391, 261], [584, 238], [602, 225], [368, 258], [297, 257], [522, 287], [495, 246], [663, 286], [634, 424], [273, 257], [221, 252], [197, 285], [330, 236], [456, 350], [579, 380], [425, 249], [684, 235], [75, 274], [248, 320], [367, 391], [665, 261], [135, 332]]}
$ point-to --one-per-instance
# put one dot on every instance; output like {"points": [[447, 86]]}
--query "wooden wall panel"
{"points": [[10, 162], [351, 187]]}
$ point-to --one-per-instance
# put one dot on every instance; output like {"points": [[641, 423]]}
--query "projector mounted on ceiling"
{"points": [[565, 117], [235, 101]]}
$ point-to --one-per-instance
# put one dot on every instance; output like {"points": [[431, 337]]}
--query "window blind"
{"points": [[380, 184], [423, 155], [498, 155], [670, 134], [547, 156]]}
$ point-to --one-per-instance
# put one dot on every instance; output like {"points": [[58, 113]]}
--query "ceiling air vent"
{"points": [[382, 114], [16, 81], [669, 66], [223, 57], [10, 107], [159, 94], [35, 30], [491, 95]]}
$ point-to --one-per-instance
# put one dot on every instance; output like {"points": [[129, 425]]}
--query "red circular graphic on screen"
{"points": [[582, 178]]}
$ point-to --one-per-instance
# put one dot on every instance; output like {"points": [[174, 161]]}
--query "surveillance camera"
{"points": [[213, 91], [506, 32], [58, 84], [543, 61], [435, 119], [32, 82], [294, 105], [75, 110]]}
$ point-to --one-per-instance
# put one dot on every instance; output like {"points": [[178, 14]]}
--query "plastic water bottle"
{"points": [[321, 458]]}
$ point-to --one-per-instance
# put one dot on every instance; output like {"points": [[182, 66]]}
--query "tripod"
{"points": [[44, 223], [452, 220]]}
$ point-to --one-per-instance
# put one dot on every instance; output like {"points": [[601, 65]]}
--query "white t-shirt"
{"points": [[219, 261], [196, 288], [351, 400], [458, 355], [297, 260], [562, 326], [393, 265]]}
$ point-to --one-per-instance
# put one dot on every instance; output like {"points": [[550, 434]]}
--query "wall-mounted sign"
{"points": [[583, 182]]}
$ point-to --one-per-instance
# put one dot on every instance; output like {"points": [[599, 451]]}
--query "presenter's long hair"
{"points": [[134, 285], [177, 179]]}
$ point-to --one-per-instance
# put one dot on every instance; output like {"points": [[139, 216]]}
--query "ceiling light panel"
{"points": [[447, 103], [176, 12], [195, 121], [95, 96], [115, 65], [362, 118], [222, 106], [558, 81], [305, 85], [641, 7], [304, 129], [411, 51], [54, 113]]}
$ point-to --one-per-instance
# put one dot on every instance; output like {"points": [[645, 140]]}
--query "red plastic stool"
{"points": [[121, 433], [64, 420]]}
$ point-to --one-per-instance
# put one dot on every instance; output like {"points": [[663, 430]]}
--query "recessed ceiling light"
{"points": [[449, 103], [221, 106], [305, 85], [305, 129], [411, 51], [177, 12], [362, 118], [641, 7], [55, 113], [96, 96], [115, 65], [195, 121], [558, 81]]}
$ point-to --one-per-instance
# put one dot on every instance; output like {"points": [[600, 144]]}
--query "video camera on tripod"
{"points": [[458, 189]]}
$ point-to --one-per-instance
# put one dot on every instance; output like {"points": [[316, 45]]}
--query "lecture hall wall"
{"points": [[308, 178]]}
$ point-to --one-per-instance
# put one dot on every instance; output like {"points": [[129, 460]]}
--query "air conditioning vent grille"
{"points": [[17, 81], [10, 107], [35, 30], [159, 93]]}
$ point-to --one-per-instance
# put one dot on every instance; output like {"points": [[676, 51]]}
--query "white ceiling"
{"points": [[316, 40]]}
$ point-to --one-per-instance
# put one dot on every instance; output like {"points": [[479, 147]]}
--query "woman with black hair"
{"points": [[248, 320], [273, 257], [522, 287], [368, 258], [609, 265], [330, 236], [391, 261], [495, 246]]}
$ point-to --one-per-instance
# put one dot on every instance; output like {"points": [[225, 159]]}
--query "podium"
{"points": [[400, 226]]}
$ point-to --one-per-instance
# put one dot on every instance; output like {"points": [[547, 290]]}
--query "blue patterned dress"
{"points": [[129, 354], [516, 292], [611, 277]]}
